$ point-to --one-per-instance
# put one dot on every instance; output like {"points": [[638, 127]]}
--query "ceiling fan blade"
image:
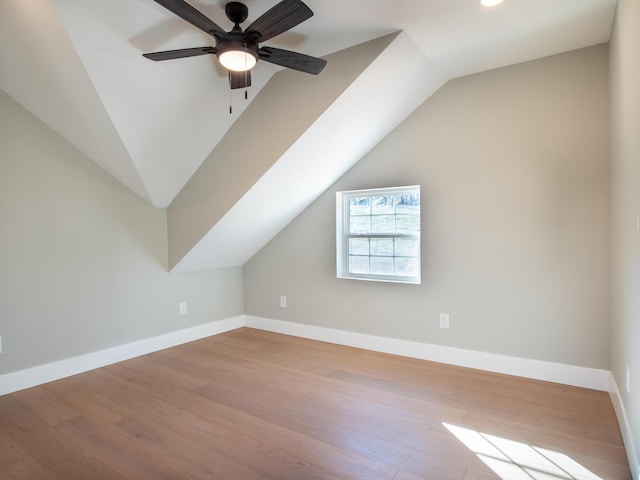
{"points": [[280, 18], [182, 53], [239, 79], [294, 60], [191, 15]]}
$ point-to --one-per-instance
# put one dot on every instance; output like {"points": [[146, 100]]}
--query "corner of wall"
{"points": [[625, 427]]}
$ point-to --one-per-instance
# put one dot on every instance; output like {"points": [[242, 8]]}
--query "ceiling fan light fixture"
{"points": [[237, 56], [490, 3], [237, 60]]}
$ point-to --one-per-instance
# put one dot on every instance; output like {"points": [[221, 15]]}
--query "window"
{"points": [[378, 234]]}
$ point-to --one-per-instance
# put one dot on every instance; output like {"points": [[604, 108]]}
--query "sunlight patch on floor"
{"points": [[512, 460]]}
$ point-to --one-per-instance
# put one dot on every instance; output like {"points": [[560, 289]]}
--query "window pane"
{"points": [[408, 223], [382, 247], [360, 224], [383, 204], [407, 267], [358, 246], [382, 265], [359, 206], [407, 247], [408, 202], [358, 264], [408, 209], [383, 224]]}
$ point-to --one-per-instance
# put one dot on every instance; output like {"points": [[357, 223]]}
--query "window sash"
{"points": [[400, 262]]}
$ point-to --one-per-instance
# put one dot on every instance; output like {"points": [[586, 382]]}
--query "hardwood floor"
{"points": [[254, 405]]}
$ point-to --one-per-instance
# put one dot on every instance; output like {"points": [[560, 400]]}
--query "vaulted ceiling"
{"points": [[77, 65]]}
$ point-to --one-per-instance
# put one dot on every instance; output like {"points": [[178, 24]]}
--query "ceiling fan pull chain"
{"points": [[230, 99]]}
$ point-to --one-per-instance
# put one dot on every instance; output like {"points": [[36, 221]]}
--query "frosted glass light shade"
{"points": [[237, 60]]}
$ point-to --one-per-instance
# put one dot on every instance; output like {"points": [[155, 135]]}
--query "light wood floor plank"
{"points": [[253, 405]]}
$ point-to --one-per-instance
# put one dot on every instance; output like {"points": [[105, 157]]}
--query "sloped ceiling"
{"points": [[77, 65]]}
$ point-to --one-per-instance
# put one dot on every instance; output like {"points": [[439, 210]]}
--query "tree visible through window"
{"points": [[378, 234]]}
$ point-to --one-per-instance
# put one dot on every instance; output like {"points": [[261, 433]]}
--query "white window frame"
{"points": [[343, 235]]}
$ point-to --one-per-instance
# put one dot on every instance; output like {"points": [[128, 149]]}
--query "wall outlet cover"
{"points": [[628, 379]]}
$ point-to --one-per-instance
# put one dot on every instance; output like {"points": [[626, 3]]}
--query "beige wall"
{"points": [[513, 165], [625, 155], [83, 260]]}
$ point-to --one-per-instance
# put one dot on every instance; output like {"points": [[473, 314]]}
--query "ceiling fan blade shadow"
{"points": [[163, 33], [239, 79], [182, 53], [280, 18], [293, 60], [159, 34], [193, 16], [290, 40]]}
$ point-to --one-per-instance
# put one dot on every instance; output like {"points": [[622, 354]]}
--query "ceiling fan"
{"points": [[238, 50]]}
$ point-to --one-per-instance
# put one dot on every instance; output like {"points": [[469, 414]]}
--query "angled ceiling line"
{"points": [[332, 144]]}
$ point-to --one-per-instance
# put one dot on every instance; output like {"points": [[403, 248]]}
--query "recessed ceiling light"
{"points": [[490, 3]]}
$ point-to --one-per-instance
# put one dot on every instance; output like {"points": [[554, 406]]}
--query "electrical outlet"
{"points": [[628, 379], [444, 320], [183, 308], [283, 301]]}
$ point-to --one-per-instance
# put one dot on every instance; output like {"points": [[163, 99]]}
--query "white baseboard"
{"points": [[30, 377], [522, 367], [625, 427]]}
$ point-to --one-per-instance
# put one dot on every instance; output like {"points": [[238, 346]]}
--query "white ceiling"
{"points": [[77, 65]]}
